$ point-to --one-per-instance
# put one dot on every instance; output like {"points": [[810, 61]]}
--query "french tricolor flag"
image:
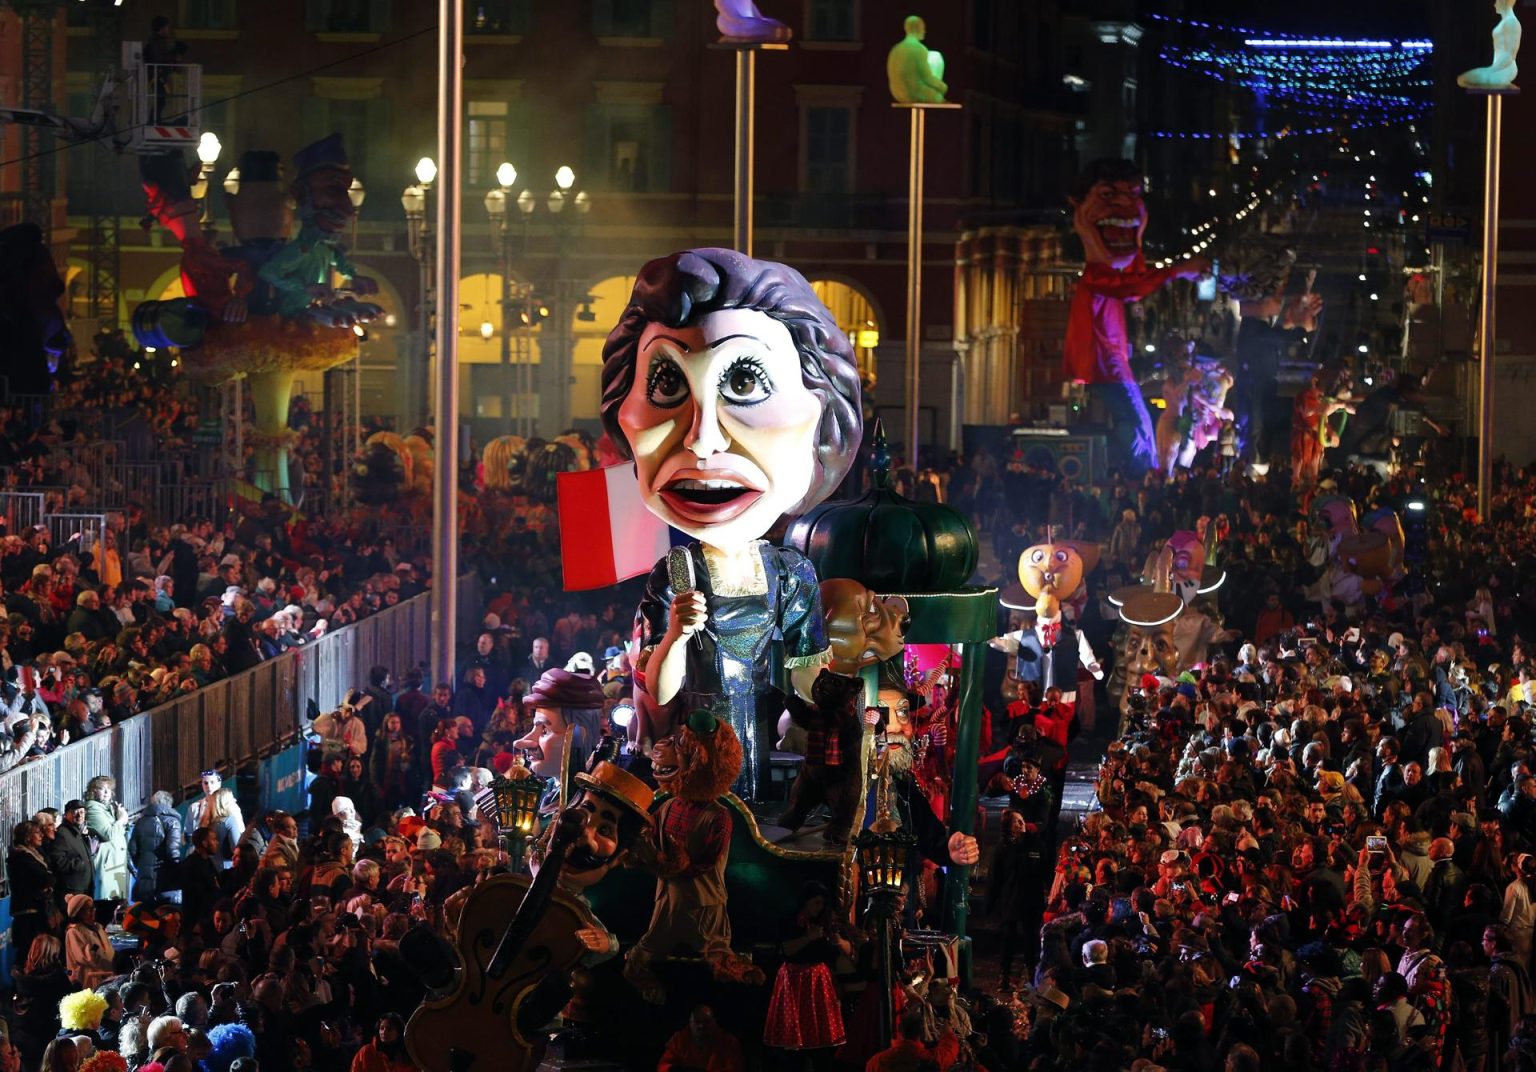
{"points": [[606, 533]]}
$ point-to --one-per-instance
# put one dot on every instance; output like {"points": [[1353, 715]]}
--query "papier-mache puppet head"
{"points": [[699, 760], [864, 628], [1188, 562], [321, 184], [565, 705], [1109, 212], [615, 806], [735, 392], [1052, 573], [261, 209]]}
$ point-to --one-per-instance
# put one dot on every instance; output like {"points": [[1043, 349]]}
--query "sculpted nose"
{"points": [[705, 436]]}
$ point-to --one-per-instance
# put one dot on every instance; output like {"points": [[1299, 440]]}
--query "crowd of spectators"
{"points": [[1316, 851]]}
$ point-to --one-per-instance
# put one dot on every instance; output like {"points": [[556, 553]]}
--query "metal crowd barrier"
{"points": [[64, 527], [237, 719], [22, 510]]}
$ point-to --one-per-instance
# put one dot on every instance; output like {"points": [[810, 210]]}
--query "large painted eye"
{"points": [[666, 386], [1037, 556], [745, 383], [1061, 557]]}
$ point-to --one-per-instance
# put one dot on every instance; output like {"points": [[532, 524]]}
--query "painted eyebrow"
{"points": [[671, 339], [722, 341]]}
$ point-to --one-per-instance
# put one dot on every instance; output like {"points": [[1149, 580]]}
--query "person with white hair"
{"points": [[167, 1031]]}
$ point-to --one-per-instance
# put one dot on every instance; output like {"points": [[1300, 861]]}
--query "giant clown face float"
{"points": [[1111, 217]]}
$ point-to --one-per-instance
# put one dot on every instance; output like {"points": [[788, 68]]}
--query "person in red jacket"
{"points": [[907, 1052], [385, 1052], [701, 1046]]}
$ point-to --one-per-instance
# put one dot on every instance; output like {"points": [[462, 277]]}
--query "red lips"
{"points": [[709, 498]]}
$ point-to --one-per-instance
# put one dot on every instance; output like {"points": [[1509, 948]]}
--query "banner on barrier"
{"points": [[284, 780]]}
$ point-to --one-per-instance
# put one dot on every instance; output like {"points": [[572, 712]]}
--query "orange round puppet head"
{"points": [[1052, 572]]}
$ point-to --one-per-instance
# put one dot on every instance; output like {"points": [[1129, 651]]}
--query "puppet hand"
{"points": [[1195, 268], [690, 612], [963, 849], [594, 938]]}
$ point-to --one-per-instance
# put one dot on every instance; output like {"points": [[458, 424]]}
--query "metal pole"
{"points": [[506, 327], [445, 454], [914, 282], [962, 811], [417, 410], [1487, 322], [746, 91]]}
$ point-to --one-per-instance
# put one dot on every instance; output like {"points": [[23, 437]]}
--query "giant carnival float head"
{"points": [[731, 386], [1109, 212]]}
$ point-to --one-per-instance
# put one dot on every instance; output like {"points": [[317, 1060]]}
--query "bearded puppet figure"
{"points": [[1109, 216], [695, 765], [864, 630]]}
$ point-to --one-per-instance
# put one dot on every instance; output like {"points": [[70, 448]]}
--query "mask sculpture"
{"points": [[736, 394], [1502, 71], [1109, 216], [696, 766], [915, 72]]}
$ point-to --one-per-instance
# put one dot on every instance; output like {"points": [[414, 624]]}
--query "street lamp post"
{"points": [[496, 209], [555, 361], [420, 236], [208, 149]]}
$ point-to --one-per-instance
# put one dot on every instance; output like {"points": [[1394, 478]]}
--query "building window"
{"points": [[496, 16], [831, 20], [348, 16], [629, 147], [207, 14], [828, 150], [631, 18], [485, 140]]}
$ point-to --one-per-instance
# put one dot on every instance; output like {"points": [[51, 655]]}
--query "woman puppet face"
{"points": [[721, 424]]}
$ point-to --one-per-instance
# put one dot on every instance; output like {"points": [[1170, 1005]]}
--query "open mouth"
{"points": [[1120, 234], [668, 771], [713, 499]]}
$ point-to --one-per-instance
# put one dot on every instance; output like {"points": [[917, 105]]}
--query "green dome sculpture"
{"points": [[889, 543]]}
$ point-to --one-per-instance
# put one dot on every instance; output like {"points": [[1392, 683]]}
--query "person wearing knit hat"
{"points": [[87, 952], [428, 840]]}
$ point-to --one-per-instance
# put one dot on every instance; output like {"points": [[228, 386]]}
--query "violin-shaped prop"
{"points": [[489, 1020]]}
